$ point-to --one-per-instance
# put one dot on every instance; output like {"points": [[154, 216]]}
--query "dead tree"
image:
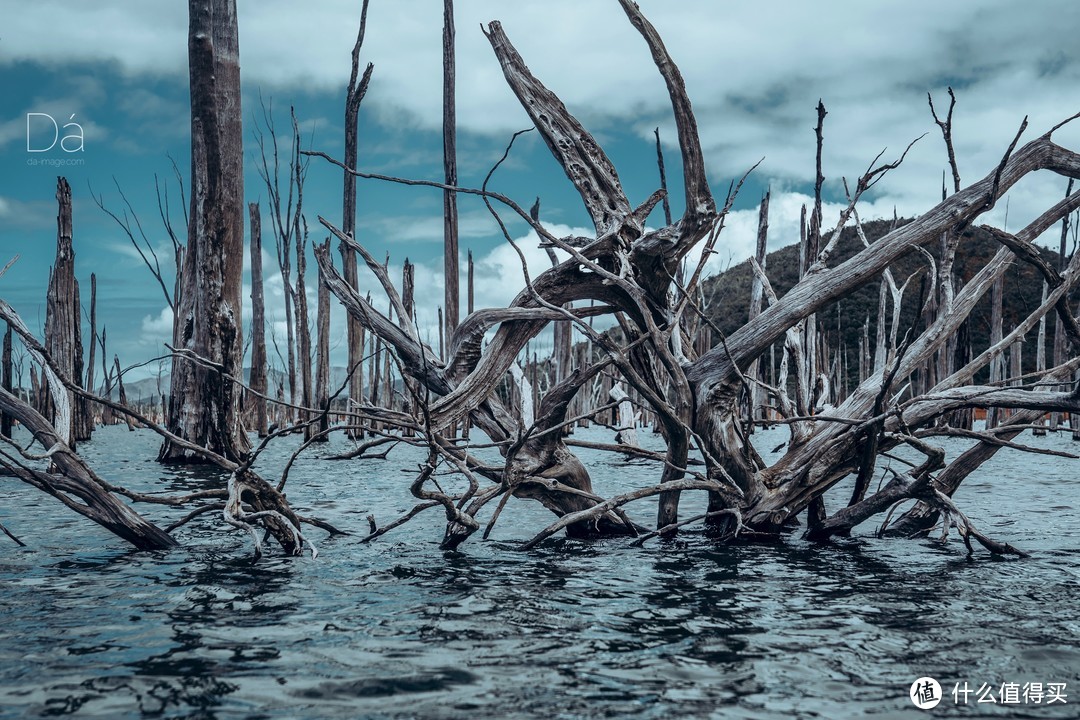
{"points": [[62, 322], [1059, 329], [303, 329], [6, 418], [630, 271], [283, 220], [248, 502], [89, 384], [450, 213], [258, 325], [322, 358], [204, 407], [757, 394], [358, 85], [69, 479], [120, 392]]}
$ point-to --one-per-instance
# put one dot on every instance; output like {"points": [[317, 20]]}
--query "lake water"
{"points": [[398, 628]]}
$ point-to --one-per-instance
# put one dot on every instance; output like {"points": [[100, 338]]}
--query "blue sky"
{"points": [[753, 73]]}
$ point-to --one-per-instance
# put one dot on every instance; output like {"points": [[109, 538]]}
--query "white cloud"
{"points": [[754, 76], [156, 330], [5, 207]]}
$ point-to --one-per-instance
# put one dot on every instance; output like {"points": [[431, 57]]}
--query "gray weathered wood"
{"points": [[204, 408]]}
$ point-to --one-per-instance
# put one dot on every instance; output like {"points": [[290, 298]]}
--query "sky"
{"points": [[754, 72]]}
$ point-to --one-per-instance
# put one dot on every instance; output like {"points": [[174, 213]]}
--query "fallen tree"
{"points": [[248, 502], [629, 272]]}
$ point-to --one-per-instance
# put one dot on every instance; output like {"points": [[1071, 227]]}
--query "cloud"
{"points": [[429, 227], [754, 80], [156, 330]]}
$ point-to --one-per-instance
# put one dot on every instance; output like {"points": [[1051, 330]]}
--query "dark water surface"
{"points": [[398, 628]]}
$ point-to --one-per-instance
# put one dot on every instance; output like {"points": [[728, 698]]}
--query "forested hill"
{"points": [[727, 295]]}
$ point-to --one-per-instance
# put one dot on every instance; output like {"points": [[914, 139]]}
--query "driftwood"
{"points": [[250, 500], [69, 479]]}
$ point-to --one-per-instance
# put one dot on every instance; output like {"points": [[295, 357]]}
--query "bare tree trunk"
{"points": [[1060, 341], [61, 316], [122, 393], [1040, 357], [257, 381], [997, 365], [82, 421], [358, 86], [108, 417], [450, 214], [627, 426], [442, 336], [322, 356], [283, 247], [470, 305], [36, 401], [376, 360], [6, 419], [810, 354], [466, 423], [408, 300], [204, 405], [757, 395], [303, 331], [90, 411]]}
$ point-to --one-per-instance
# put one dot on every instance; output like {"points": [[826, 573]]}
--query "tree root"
{"points": [[280, 521], [955, 518]]}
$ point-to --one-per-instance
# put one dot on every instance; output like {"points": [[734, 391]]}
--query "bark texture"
{"points": [[204, 406], [257, 379]]}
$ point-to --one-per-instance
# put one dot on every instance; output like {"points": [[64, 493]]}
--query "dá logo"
{"points": [[38, 129], [925, 693]]}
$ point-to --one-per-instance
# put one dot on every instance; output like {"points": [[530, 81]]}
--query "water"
{"points": [[397, 628]]}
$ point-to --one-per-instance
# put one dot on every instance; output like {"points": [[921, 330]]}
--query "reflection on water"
{"points": [[400, 629]]}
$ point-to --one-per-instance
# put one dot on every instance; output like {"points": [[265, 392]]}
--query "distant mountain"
{"points": [[728, 294], [147, 388]]}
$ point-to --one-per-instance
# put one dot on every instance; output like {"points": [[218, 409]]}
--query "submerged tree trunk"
{"points": [[89, 385], [75, 484], [258, 325], [303, 332], [204, 404], [322, 356], [82, 421], [450, 213], [6, 418], [358, 86], [62, 320]]}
